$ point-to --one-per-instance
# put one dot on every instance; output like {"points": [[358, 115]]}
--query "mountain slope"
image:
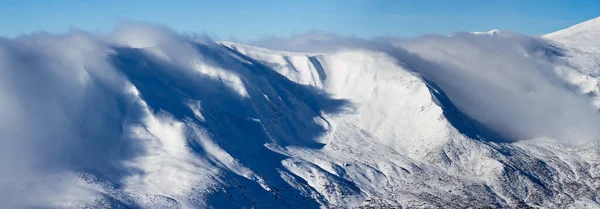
{"points": [[153, 119], [581, 41], [476, 171], [583, 33]]}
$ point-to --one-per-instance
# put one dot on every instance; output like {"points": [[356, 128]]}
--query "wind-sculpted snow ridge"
{"points": [[147, 118]]}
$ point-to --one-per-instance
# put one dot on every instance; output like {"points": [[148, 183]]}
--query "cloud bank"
{"points": [[507, 81], [60, 113], [66, 111], [63, 104]]}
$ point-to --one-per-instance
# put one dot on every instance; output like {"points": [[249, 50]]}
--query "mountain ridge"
{"points": [[578, 30], [173, 121]]}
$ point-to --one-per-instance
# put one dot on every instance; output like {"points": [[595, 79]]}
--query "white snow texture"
{"points": [[149, 118]]}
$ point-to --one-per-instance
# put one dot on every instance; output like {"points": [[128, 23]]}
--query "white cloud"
{"points": [[507, 81], [63, 104]]}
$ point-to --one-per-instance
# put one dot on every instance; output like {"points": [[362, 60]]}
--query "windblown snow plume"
{"points": [[506, 81], [149, 118], [510, 84]]}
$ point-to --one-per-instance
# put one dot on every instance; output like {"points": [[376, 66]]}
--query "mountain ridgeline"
{"points": [[148, 118]]}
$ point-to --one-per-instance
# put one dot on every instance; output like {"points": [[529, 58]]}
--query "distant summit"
{"points": [[494, 32]]}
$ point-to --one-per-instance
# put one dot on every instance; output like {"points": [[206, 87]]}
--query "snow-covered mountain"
{"points": [[583, 33], [581, 43], [147, 118], [493, 32]]}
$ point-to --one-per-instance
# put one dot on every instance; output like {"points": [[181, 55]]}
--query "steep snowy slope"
{"points": [[581, 43], [148, 118], [582, 34], [415, 144], [581, 47]]}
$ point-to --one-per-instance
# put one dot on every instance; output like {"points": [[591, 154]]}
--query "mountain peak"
{"points": [[587, 29], [491, 32]]}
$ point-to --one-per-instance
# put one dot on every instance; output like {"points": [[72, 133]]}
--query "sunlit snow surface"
{"points": [[147, 118]]}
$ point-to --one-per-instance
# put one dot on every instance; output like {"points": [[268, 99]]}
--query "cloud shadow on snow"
{"points": [[462, 122], [285, 118]]}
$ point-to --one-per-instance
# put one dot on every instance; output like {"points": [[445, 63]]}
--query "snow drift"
{"points": [[146, 117]]}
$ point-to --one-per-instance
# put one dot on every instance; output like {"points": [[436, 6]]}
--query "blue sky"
{"points": [[226, 19]]}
